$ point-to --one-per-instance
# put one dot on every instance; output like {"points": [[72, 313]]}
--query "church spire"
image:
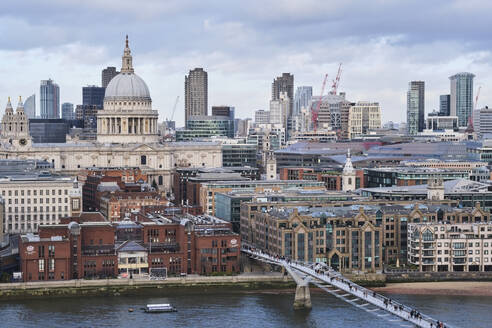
{"points": [[348, 168], [9, 106], [126, 66], [20, 105]]}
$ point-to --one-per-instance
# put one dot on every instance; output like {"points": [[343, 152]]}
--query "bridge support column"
{"points": [[302, 299]]}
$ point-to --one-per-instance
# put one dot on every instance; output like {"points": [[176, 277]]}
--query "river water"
{"points": [[219, 309]]}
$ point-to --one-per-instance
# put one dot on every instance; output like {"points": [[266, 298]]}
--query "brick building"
{"points": [[331, 177], [97, 180], [177, 244], [68, 251], [116, 205]]}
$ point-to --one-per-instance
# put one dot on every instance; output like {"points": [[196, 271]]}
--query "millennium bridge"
{"points": [[332, 282]]}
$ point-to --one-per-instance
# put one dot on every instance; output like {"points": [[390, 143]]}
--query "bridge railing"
{"points": [[336, 279]]}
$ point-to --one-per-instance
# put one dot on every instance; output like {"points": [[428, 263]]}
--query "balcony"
{"points": [[95, 250], [162, 247]]}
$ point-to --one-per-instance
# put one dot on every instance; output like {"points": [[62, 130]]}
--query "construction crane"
{"points": [[476, 98], [470, 128], [336, 81], [174, 107], [315, 111]]}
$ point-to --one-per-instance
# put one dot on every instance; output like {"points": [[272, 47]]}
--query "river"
{"points": [[219, 309]]}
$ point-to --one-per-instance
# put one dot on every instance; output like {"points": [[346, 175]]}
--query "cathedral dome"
{"points": [[127, 86]]}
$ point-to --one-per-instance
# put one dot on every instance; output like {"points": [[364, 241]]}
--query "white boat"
{"points": [[159, 308]]}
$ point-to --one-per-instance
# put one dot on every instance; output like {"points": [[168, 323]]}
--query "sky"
{"points": [[244, 45]]}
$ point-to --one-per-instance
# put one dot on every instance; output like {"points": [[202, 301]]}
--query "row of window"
{"points": [[35, 192], [35, 200], [35, 209]]}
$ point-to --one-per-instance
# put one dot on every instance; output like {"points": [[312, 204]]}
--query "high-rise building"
{"points": [[262, 116], [223, 111], [444, 105], [30, 106], [93, 96], [362, 118], [461, 100], [415, 107], [279, 110], [49, 99], [67, 111], [482, 121], [196, 93], [107, 74], [302, 98], [284, 84]]}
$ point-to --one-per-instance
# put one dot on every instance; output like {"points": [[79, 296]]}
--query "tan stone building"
{"points": [[392, 217], [450, 246], [351, 244], [31, 201]]}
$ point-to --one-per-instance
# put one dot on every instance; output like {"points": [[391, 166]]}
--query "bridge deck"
{"points": [[335, 279]]}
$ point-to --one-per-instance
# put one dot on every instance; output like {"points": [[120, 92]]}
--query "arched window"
{"points": [[143, 160]]}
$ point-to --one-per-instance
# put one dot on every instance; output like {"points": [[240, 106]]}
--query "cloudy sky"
{"points": [[243, 45]]}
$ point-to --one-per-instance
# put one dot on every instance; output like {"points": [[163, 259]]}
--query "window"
{"points": [[41, 265], [143, 160], [51, 250]]}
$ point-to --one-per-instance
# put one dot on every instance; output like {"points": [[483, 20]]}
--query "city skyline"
{"points": [[377, 62]]}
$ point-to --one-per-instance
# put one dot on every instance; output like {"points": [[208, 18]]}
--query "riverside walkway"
{"points": [[331, 281]]}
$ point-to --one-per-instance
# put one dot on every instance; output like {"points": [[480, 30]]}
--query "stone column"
{"points": [[302, 299], [362, 250]]}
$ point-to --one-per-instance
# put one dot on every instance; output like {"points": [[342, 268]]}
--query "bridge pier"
{"points": [[302, 299]]}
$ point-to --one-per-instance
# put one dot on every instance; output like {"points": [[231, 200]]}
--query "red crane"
{"points": [[336, 81], [476, 98], [315, 111], [470, 128]]}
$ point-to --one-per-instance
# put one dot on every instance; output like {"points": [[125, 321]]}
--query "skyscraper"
{"points": [[279, 110], [67, 111], [30, 106], [49, 99], [284, 83], [93, 96], [107, 74], [262, 116], [196, 93], [444, 105], [415, 107], [461, 103], [302, 98]]}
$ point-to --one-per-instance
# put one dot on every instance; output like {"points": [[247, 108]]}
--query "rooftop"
{"points": [[451, 186]]}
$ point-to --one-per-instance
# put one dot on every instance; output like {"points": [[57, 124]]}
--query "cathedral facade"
{"points": [[127, 135]]}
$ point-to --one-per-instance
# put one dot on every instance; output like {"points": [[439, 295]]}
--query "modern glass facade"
{"points": [[30, 106], [49, 99], [444, 105], [415, 107], [302, 98], [239, 155], [48, 131], [206, 126], [93, 96], [461, 102], [67, 111]]}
